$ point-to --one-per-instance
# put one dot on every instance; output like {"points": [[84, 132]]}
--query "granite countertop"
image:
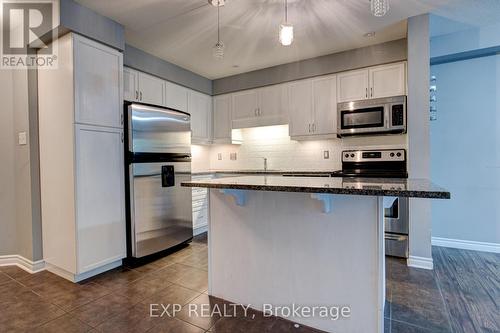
{"points": [[411, 188]]}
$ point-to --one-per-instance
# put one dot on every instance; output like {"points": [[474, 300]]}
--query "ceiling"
{"points": [[184, 31]]}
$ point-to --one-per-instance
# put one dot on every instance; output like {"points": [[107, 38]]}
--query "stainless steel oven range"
{"points": [[382, 169], [158, 159]]}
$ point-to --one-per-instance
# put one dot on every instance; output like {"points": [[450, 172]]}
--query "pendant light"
{"points": [[286, 29], [218, 49], [379, 7]]}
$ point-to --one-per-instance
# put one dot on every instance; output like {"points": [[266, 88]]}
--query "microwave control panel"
{"points": [[398, 115]]}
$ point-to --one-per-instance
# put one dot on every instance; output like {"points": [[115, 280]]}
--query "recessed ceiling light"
{"points": [[369, 34]]}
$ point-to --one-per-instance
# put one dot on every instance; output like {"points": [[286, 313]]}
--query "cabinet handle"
{"points": [[309, 128], [314, 128], [136, 95], [122, 137], [140, 95], [121, 119], [366, 93], [371, 91], [260, 113]]}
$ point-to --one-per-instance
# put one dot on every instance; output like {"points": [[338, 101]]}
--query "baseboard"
{"points": [[200, 230], [23, 263], [82, 276], [420, 262], [466, 245]]}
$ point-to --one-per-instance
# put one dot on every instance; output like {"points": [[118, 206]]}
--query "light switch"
{"points": [[326, 154], [233, 157], [22, 139], [219, 156]]}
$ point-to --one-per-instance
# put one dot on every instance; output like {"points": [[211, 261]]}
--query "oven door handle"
{"points": [[395, 237]]}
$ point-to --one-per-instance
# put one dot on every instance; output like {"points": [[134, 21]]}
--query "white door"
{"points": [[222, 118], [100, 197], [272, 105], [151, 90], [176, 96], [388, 80], [244, 107], [130, 89], [200, 106], [352, 86], [325, 105], [300, 110], [98, 72]]}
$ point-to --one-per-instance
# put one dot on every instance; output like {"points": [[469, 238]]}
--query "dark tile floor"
{"points": [[462, 294]]}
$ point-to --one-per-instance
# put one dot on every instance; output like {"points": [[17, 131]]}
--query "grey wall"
{"points": [[418, 136], [145, 62], [358, 58], [86, 22]]}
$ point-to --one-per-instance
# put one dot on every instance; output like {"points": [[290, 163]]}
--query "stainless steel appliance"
{"points": [[381, 115], [382, 169], [158, 157]]}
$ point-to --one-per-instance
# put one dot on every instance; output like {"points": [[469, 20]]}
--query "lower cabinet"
{"points": [[200, 206]]}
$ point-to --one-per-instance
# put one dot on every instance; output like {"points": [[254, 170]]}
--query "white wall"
{"points": [[283, 153], [465, 150]]}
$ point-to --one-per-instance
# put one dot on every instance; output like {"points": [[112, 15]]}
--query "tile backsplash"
{"points": [[282, 153]]}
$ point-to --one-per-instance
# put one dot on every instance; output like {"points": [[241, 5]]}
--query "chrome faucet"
{"points": [[265, 163]]}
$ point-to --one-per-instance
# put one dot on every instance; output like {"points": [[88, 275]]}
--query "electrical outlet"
{"points": [[326, 154], [22, 138], [219, 156], [233, 156]]}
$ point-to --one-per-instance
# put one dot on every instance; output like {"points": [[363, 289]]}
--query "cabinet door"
{"points": [[222, 119], [300, 110], [130, 88], [244, 108], [352, 86], [98, 79], [100, 198], [272, 105], [325, 105], [200, 108], [151, 89], [388, 80], [176, 97]]}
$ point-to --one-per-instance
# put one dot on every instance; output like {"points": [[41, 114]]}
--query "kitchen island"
{"points": [[281, 243]]}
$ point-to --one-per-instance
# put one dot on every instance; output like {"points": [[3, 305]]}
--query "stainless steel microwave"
{"points": [[381, 115]]}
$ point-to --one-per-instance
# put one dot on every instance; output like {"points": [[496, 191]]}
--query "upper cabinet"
{"points": [[260, 107], [130, 85], [222, 119], [200, 108], [176, 97], [388, 80], [313, 107], [98, 83], [375, 82], [151, 89]]}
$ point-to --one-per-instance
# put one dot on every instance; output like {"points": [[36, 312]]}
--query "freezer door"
{"points": [[161, 210], [158, 130]]}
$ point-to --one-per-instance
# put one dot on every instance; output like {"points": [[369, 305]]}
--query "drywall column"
{"points": [[419, 137]]}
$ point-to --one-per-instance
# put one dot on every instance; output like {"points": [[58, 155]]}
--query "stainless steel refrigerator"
{"points": [[158, 158]]}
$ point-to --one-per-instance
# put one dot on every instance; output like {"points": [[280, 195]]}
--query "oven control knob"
{"points": [[346, 155], [392, 155], [352, 155], [398, 154]]}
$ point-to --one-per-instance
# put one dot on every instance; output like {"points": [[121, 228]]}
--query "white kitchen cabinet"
{"points": [[222, 119], [130, 85], [301, 108], [200, 206], [325, 106], [388, 80], [260, 107], [176, 96], [313, 108], [352, 86], [374, 82], [81, 165], [98, 83], [100, 193], [200, 108], [151, 89]]}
